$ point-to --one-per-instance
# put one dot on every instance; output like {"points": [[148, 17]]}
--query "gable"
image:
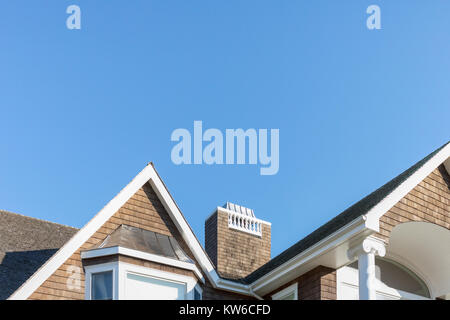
{"points": [[428, 201], [65, 264], [143, 210]]}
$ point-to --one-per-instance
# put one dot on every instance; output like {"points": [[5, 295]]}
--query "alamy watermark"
{"points": [[74, 20], [374, 20], [73, 281], [190, 150]]}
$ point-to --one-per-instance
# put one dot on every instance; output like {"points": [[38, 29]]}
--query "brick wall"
{"points": [[235, 253], [317, 284], [429, 201]]}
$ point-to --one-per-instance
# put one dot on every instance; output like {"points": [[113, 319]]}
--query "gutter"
{"points": [[338, 237]]}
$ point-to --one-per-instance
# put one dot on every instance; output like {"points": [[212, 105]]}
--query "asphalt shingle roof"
{"points": [[26, 244]]}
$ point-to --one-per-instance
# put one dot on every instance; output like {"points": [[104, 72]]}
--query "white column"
{"points": [[366, 250]]}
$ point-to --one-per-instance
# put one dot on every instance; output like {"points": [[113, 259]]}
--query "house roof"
{"points": [[373, 204], [146, 241], [25, 244], [147, 175], [358, 209]]}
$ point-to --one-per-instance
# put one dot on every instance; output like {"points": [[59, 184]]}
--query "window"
{"points": [[101, 281], [102, 285], [140, 287], [289, 293], [123, 281], [197, 294], [399, 277]]}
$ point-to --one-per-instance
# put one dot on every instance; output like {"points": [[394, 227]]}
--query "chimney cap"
{"points": [[239, 209]]}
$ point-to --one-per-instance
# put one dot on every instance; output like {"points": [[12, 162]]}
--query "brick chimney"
{"points": [[236, 241]]}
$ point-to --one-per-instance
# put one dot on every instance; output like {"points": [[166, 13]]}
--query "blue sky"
{"points": [[83, 111]]}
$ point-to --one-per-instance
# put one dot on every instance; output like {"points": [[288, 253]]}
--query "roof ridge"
{"points": [[33, 218]]}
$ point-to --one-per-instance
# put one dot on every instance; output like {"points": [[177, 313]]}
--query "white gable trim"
{"points": [[148, 174], [374, 214]]}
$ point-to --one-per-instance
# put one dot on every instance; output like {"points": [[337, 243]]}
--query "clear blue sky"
{"points": [[83, 111]]}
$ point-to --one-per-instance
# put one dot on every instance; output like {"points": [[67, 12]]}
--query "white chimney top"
{"points": [[239, 209]]}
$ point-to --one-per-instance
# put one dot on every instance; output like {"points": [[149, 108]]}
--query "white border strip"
{"points": [[95, 253]]}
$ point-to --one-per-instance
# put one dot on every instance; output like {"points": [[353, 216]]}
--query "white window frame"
{"points": [[121, 269], [103, 267], [287, 291], [117, 250]]}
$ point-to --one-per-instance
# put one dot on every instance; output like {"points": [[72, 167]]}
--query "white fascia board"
{"points": [[345, 233], [183, 227], [374, 214], [102, 252]]}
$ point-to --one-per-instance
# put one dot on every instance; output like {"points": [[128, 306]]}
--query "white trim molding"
{"points": [[367, 245], [103, 267], [122, 269], [117, 250]]}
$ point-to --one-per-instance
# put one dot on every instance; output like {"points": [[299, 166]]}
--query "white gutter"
{"points": [[338, 237]]}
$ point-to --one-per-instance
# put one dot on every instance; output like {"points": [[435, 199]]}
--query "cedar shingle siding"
{"points": [[429, 201], [235, 253]]}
